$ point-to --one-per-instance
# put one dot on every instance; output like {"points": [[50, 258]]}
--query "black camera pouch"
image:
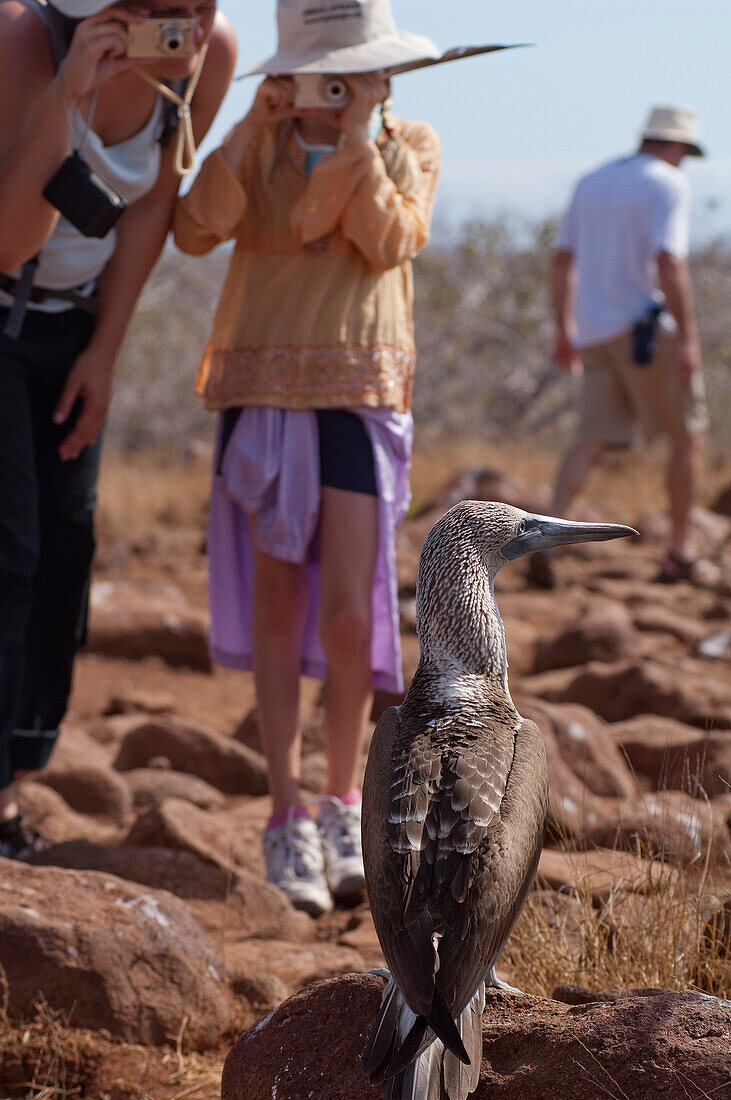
{"points": [[86, 200], [644, 337]]}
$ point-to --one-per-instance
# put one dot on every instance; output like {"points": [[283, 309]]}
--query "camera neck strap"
{"points": [[77, 147], [186, 154]]}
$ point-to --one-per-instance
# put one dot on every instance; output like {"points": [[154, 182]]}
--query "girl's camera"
{"points": [[313, 90]]}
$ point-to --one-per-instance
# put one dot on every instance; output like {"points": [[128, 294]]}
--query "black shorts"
{"points": [[346, 454]]}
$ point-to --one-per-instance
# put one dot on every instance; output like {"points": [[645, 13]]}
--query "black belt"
{"points": [[24, 292]]}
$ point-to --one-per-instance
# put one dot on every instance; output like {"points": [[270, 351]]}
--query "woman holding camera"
{"points": [[310, 366], [79, 123]]}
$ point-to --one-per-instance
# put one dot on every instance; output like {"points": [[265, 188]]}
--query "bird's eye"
{"points": [[522, 527]]}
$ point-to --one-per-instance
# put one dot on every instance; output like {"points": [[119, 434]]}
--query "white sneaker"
{"points": [[294, 863], [339, 826]]}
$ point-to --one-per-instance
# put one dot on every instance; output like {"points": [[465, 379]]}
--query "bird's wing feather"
{"points": [[427, 810], [390, 875], [497, 879]]}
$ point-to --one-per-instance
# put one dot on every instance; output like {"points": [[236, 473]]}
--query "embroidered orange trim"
{"points": [[343, 375]]}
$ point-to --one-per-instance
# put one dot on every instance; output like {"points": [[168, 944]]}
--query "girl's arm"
{"points": [[141, 234], [386, 226], [213, 208], [351, 190]]}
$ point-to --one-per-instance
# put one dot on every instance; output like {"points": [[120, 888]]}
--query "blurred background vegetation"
{"points": [[484, 333]]}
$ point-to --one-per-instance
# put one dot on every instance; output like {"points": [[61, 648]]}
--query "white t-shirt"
{"points": [[621, 216]]}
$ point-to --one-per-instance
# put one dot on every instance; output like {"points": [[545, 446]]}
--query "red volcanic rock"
{"points": [[196, 749], [601, 872], [573, 808], [90, 790], [180, 825], [646, 1046], [111, 955], [669, 754], [280, 968], [667, 825], [151, 786], [484, 483], [664, 620], [627, 688], [139, 701], [51, 815], [520, 642], [312, 1045], [586, 746], [604, 634], [127, 620], [246, 906]]}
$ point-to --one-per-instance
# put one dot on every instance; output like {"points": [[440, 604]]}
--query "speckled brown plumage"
{"points": [[454, 809]]}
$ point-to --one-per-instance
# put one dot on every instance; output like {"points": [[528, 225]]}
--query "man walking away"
{"points": [[625, 320]]}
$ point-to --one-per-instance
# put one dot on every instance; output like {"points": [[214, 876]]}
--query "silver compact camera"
{"points": [[161, 38], [318, 91]]}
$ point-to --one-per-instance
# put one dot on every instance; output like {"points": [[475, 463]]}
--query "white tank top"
{"points": [[68, 258]]}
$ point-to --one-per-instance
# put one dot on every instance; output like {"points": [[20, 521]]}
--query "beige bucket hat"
{"points": [[339, 36], [669, 122]]}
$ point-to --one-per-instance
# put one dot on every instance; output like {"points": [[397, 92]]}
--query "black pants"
{"points": [[46, 537]]}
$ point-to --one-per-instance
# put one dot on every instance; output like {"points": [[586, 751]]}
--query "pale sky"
{"points": [[517, 128]]}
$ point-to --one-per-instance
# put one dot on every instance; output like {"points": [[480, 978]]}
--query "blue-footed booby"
{"points": [[454, 806]]}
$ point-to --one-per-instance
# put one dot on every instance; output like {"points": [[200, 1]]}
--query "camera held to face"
{"points": [[161, 38], [322, 92]]}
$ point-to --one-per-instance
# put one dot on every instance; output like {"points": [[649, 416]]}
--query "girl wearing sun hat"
{"points": [[81, 137], [310, 366]]}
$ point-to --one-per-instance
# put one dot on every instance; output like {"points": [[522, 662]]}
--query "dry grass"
{"points": [[625, 484], [142, 490], [52, 1061], [673, 935]]}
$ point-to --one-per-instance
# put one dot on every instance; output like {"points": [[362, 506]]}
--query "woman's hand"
{"points": [[90, 381], [98, 51], [367, 90]]}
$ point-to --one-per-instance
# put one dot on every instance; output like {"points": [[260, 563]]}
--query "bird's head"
{"points": [[499, 533], [461, 556]]}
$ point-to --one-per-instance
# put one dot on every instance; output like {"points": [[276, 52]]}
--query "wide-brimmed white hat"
{"points": [[80, 9], [339, 36], [674, 123]]}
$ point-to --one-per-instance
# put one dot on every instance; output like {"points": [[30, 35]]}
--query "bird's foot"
{"points": [[494, 982]]}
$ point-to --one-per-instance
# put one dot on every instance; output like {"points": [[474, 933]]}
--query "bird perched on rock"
{"points": [[454, 806]]}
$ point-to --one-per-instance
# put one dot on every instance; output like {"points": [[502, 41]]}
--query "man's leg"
{"points": [[683, 477], [573, 472]]}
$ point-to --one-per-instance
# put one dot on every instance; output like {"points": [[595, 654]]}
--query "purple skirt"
{"points": [[271, 471]]}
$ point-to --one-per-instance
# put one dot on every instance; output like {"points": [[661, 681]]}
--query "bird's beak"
{"points": [[544, 532]]}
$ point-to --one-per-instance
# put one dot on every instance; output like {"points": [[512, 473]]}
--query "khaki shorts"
{"points": [[619, 396]]}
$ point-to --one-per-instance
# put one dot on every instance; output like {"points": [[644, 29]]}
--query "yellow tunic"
{"points": [[316, 310]]}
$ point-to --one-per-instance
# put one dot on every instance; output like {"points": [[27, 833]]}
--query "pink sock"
{"points": [[281, 816], [352, 798]]}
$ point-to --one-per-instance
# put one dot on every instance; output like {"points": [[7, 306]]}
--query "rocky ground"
{"points": [[145, 940]]}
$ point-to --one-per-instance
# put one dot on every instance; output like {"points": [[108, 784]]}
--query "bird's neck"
{"points": [[461, 634]]}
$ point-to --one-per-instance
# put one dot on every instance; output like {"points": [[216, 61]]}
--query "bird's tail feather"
{"points": [[406, 1055], [460, 1079]]}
